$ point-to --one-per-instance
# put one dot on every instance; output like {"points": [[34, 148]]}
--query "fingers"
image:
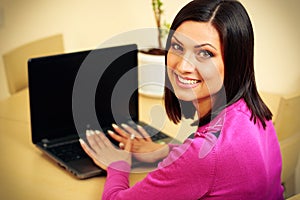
{"points": [[121, 145], [131, 131], [144, 133], [124, 134], [92, 154], [95, 143], [116, 137], [98, 140], [121, 137], [120, 131], [105, 140], [129, 143], [87, 149], [102, 151]]}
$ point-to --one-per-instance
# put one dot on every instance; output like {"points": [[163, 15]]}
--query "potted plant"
{"points": [[151, 60], [162, 29]]}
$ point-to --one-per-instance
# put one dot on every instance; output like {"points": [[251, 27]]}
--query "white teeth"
{"points": [[188, 82]]}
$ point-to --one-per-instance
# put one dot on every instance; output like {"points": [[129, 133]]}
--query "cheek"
{"points": [[212, 74], [171, 64], [220, 72], [172, 59], [169, 73]]}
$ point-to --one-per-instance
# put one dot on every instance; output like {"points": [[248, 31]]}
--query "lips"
{"points": [[186, 82]]}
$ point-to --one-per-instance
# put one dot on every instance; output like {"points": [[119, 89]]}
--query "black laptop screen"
{"points": [[51, 84]]}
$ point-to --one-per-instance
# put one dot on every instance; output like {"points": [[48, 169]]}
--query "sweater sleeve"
{"points": [[182, 175], [171, 146], [116, 180]]}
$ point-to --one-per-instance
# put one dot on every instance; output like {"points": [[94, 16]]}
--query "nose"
{"points": [[185, 64]]}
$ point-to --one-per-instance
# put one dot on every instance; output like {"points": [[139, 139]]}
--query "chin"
{"points": [[186, 96]]}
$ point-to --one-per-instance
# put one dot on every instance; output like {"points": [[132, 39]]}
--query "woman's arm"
{"points": [[182, 175]]}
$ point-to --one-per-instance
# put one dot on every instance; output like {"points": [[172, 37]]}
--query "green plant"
{"points": [[162, 28], [158, 11], [157, 6]]}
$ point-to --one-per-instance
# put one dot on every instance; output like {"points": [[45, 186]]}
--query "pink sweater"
{"points": [[242, 162]]}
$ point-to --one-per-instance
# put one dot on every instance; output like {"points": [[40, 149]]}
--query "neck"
{"points": [[203, 105]]}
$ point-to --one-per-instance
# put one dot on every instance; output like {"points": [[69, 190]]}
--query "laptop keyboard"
{"points": [[69, 152], [154, 133], [73, 151]]}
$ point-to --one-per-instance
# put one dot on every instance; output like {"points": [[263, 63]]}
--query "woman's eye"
{"points": [[205, 54], [176, 47]]}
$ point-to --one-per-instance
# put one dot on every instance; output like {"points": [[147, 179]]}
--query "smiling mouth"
{"points": [[187, 81]]}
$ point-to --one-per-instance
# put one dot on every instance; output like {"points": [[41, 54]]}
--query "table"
{"points": [[26, 173], [295, 197]]}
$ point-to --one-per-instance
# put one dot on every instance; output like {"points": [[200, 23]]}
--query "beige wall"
{"points": [[277, 44], [86, 24]]}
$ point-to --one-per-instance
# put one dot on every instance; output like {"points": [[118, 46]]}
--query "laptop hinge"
{"points": [[46, 143]]}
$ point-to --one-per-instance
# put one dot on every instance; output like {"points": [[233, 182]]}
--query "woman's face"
{"points": [[195, 62]]}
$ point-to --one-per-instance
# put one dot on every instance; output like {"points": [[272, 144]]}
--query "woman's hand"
{"points": [[101, 150], [142, 147]]}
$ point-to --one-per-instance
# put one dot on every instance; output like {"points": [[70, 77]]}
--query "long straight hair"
{"points": [[233, 24]]}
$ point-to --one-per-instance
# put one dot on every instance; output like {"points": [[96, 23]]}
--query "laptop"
{"points": [[72, 92]]}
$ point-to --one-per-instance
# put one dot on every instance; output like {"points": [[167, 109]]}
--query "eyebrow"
{"points": [[196, 46]]}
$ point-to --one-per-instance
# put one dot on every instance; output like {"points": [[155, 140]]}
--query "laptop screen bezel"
{"points": [[46, 68]]}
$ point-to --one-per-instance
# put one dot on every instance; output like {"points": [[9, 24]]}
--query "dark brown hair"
{"points": [[233, 24]]}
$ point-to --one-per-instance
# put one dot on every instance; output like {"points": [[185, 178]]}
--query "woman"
{"points": [[234, 153]]}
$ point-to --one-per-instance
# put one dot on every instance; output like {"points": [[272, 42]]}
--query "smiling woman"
{"points": [[234, 154], [224, 38], [195, 61]]}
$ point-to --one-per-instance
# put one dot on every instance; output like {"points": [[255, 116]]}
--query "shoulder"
{"points": [[239, 109], [240, 133], [237, 112], [186, 153], [238, 117]]}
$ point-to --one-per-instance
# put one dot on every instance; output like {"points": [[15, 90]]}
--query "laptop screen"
{"points": [[51, 91]]}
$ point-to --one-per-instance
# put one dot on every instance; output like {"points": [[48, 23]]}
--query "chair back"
{"points": [[15, 61], [287, 121]]}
